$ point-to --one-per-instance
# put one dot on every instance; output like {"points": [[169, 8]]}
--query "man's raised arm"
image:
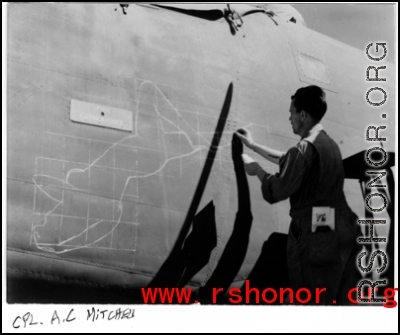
{"points": [[268, 153]]}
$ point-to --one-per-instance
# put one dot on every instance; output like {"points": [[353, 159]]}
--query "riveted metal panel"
{"points": [[312, 67]]}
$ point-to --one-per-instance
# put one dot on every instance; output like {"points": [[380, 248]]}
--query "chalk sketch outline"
{"points": [[195, 148]]}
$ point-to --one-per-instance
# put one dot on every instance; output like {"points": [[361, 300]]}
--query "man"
{"points": [[322, 247]]}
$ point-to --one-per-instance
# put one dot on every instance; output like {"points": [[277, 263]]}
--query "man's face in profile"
{"points": [[295, 118]]}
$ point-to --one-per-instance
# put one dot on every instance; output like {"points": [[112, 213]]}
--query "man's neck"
{"points": [[309, 128]]}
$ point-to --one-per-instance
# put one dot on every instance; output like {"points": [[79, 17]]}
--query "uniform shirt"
{"points": [[303, 178]]}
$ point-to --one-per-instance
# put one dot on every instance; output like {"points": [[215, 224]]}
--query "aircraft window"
{"points": [[313, 68]]}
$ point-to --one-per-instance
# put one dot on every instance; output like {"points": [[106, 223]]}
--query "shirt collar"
{"points": [[313, 132]]}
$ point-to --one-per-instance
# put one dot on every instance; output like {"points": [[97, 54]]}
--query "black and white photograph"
{"points": [[200, 166]]}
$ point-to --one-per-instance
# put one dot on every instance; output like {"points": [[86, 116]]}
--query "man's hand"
{"points": [[252, 168], [246, 138]]}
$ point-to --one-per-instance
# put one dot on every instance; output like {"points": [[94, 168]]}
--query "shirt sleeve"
{"points": [[282, 185]]}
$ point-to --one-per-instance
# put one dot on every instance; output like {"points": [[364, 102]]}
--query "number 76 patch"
{"points": [[322, 216]]}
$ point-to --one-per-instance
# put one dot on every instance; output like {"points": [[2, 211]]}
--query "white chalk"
{"points": [[247, 159]]}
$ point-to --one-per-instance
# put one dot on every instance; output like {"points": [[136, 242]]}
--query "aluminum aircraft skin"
{"points": [[123, 171]]}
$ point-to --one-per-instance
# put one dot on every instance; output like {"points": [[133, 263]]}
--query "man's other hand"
{"points": [[252, 168]]}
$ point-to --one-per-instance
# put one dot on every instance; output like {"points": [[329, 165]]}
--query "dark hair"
{"points": [[312, 100]]}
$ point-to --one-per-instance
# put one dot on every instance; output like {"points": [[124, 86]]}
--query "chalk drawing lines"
{"points": [[89, 231], [57, 202], [61, 188]]}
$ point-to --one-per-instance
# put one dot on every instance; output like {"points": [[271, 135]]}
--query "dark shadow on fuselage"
{"points": [[209, 15], [199, 244], [270, 271], [235, 251], [171, 272]]}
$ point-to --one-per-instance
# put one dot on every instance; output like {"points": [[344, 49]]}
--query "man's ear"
{"points": [[303, 115]]}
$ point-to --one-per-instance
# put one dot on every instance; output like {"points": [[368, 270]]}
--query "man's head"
{"points": [[307, 108]]}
